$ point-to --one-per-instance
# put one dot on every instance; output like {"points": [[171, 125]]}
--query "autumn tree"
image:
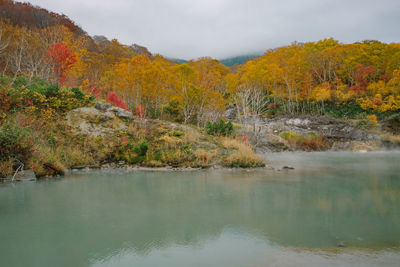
{"points": [[62, 59], [361, 77]]}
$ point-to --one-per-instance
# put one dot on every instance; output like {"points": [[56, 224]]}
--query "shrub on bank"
{"points": [[131, 152], [6, 168], [368, 122], [307, 142], [38, 96], [244, 157], [220, 128], [16, 146], [15, 142], [372, 120]]}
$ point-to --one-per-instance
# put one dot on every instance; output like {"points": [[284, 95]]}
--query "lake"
{"points": [[333, 209]]}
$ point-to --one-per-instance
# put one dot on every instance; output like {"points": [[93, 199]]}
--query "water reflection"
{"points": [[226, 217]]}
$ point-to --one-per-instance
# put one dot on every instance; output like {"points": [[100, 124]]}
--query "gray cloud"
{"points": [[223, 28]]}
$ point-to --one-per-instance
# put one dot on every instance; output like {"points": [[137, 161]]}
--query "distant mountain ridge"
{"points": [[177, 60], [229, 62], [238, 60]]}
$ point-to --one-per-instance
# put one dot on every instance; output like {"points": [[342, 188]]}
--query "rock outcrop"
{"points": [[99, 121], [339, 134]]}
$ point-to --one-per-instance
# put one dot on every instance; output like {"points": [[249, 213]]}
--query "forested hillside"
{"points": [[24, 14], [50, 66], [315, 77]]}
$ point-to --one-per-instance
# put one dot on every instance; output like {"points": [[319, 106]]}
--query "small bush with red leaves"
{"points": [[114, 99]]}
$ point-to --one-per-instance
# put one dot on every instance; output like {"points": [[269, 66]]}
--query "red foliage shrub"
{"points": [[113, 98]]}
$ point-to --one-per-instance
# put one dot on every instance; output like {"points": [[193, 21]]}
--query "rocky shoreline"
{"points": [[267, 135], [29, 175], [105, 126]]}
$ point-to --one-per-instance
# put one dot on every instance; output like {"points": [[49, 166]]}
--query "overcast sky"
{"points": [[224, 28]]}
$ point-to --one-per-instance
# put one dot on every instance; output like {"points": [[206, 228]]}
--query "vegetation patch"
{"points": [[220, 128], [243, 157], [391, 140], [392, 124], [369, 122], [307, 142], [15, 143]]}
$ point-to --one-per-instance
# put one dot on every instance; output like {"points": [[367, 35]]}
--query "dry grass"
{"points": [[176, 158], [393, 139], [204, 157], [75, 156], [191, 136], [170, 141], [244, 158], [307, 142], [313, 143], [230, 143], [360, 146], [137, 131]]}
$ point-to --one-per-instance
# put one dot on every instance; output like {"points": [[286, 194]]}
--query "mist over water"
{"points": [[211, 218]]}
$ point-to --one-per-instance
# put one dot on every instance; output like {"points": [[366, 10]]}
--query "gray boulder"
{"points": [[121, 113], [102, 106], [125, 115]]}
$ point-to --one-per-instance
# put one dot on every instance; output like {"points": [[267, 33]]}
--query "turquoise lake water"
{"points": [[334, 209]]}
